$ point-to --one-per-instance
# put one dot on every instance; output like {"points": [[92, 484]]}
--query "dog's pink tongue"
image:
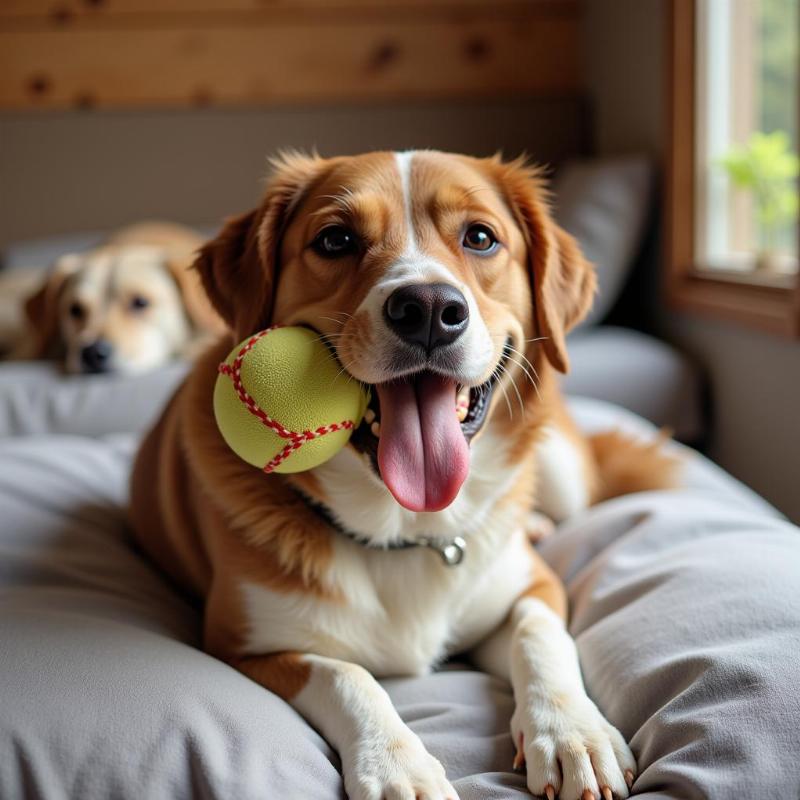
{"points": [[422, 454]]}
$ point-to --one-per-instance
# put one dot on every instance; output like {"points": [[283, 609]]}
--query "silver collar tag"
{"points": [[452, 552]]}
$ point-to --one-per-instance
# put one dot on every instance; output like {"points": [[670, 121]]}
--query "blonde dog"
{"points": [[129, 305]]}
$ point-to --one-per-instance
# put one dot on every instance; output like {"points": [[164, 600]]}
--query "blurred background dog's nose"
{"points": [[427, 314], [96, 357]]}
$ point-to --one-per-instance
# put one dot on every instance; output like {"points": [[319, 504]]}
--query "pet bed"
{"points": [[684, 605]]}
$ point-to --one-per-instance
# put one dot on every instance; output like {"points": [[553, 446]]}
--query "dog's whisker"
{"points": [[523, 369], [328, 340], [332, 319], [346, 369], [503, 372], [337, 336], [501, 337], [533, 381], [508, 402], [537, 339], [331, 340], [335, 315], [522, 364], [510, 377], [522, 355], [505, 393]]}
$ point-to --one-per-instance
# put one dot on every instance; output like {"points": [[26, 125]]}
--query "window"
{"points": [[746, 144], [733, 229]]}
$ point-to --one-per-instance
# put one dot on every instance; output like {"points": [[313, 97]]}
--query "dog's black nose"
{"points": [[96, 357], [427, 314]]}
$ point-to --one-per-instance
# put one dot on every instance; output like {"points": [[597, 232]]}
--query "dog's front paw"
{"points": [[538, 526], [571, 751], [394, 768]]}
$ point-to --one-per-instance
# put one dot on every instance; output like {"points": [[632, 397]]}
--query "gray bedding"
{"points": [[685, 606], [617, 365]]}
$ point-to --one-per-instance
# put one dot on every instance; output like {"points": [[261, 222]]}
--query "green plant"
{"points": [[766, 166]]}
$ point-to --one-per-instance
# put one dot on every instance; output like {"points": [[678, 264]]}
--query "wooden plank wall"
{"points": [[61, 54]]}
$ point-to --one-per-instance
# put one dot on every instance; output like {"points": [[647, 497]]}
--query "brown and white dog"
{"points": [[432, 277], [129, 305]]}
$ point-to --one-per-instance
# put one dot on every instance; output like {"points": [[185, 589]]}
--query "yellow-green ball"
{"points": [[286, 379]]}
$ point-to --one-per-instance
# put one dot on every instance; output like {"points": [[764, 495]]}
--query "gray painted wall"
{"points": [[77, 171]]}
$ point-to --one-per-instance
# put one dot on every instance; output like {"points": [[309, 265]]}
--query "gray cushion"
{"points": [[641, 373], [684, 605], [605, 203], [36, 398]]}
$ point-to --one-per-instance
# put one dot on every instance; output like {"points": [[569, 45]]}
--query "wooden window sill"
{"points": [[766, 306]]}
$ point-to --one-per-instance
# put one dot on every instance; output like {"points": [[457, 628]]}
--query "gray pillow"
{"points": [[639, 372], [604, 203], [36, 397]]}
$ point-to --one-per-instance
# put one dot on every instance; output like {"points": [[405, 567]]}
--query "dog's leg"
{"points": [[568, 747], [382, 759]]}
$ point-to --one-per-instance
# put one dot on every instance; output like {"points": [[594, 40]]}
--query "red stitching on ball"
{"points": [[296, 438]]}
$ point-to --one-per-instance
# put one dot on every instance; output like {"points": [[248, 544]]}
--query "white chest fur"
{"points": [[402, 611]]}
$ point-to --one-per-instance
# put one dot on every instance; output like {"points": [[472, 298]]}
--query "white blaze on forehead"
{"points": [[404, 166], [413, 262], [95, 275]]}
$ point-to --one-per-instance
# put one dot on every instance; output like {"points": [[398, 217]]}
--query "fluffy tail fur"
{"points": [[626, 464]]}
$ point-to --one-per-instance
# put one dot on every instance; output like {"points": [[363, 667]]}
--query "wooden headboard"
{"points": [[131, 54]]}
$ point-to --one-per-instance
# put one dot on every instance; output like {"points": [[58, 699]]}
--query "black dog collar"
{"points": [[451, 551]]}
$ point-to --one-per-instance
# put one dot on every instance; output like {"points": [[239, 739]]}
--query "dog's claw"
{"points": [[629, 777], [519, 756], [588, 794], [606, 792], [550, 792]]}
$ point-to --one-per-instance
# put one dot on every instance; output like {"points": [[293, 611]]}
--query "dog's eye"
{"points": [[335, 241], [137, 303], [480, 238], [77, 311]]}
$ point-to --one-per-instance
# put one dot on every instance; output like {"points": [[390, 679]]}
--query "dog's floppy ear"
{"points": [[41, 310], [563, 281], [239, 269], [201, 313]]}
